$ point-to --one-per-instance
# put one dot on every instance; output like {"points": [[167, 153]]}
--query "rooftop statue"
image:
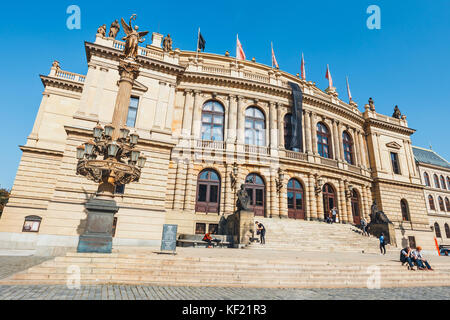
{"points": [[243, 199], [114, 29], [397, 114], [132, 39], [167, 43], [102, 30]]}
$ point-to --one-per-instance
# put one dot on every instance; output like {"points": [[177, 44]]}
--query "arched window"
{"points": [[426, 179], [405, 210], [448, 183], [447, 204], [255, 127], [329, 199], [431, 202], [355, 208], [441, 204], [208, 191], [323, 140], [256, 189], [348, 147], [436, 181], [443, 183], [437, 230], [288, 131], [295, 198], [447, 230], [212, 121]]}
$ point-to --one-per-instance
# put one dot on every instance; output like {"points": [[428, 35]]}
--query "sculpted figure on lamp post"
{"points": [[132, 39]]}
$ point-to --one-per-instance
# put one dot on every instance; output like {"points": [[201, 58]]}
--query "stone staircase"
{"points": [[233, 268], [290, 234]]}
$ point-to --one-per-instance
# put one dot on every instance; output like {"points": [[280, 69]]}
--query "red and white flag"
{"points": [[348, 92], [239, 51], [328, 76], [303, 72], [274, 60]]}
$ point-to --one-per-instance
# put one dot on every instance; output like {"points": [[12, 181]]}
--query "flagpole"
{"points": [[271, 53], [198, 39], [237, 38]]}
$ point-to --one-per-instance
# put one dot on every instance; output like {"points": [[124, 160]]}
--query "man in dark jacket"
{"points": [[261, 231], [405, 256]]}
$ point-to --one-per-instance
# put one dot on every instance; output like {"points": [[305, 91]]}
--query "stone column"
{"points": [[180, 181], [273, 125], [240, 121], [341, 141], [170, 108], [229, 205], [348, 202], [188, 196], [128, 71], [365, 160], [341, 199], [272, 195], [307, 131], [311, 210], [197, 117], [319, 202], [360, 149], [355, 147], [364, 212], [283, 209], [280, 127], [314, 134], [232, 118], [187, 113], [336, 147]]}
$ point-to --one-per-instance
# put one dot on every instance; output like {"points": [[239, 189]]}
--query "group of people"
{"points": [[414, 257], [260, 230], [332, 216]]}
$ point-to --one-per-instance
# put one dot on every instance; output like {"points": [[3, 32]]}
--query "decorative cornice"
{"points": [[41, 150], [61, 83], [388, 126]]}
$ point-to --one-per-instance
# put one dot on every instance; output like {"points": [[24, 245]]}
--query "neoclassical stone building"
{"points": [[435, 174], [209, 123]]}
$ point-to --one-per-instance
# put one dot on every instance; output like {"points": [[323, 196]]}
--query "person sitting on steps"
{"points": [[405, 256], [209, 239], [421, 262]]}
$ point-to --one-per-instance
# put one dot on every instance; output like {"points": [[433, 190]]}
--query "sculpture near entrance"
{"points": [[380, 223]]}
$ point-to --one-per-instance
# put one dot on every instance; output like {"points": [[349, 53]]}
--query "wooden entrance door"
{"points": [[355, 208], [295, 198], [329, 199], [256, 189]]}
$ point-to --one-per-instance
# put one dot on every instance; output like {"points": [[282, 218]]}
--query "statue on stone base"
{"points": [[243, 199], [132, 39], [378, 217], [397, 114], [114, 29], [167, 43]]}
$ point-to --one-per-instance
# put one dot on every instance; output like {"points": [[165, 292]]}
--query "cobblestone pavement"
{"points": [[13, 264], [123, 292]]}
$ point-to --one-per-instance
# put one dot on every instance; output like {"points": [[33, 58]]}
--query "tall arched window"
{"points": [[447, 230], [437, 230], [426, 179], [448, 183], [436, 181], [441, 204], [256, 189], [255, 127], [208, 191], [212, 121], [329, 199], [443, 183], [288, 131], [295, 198], [323, 140], [431, 202], [348, 147], [405, 210], [447, 204]]}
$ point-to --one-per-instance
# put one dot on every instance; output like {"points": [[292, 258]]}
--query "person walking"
{"points": [[334, 213], [382, 244], [261, 230], [364, 227]]}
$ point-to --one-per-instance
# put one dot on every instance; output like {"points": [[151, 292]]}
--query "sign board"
{"points": [[169, 237]]}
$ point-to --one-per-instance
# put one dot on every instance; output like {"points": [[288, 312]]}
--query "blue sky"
{"points": [[405, 63]]}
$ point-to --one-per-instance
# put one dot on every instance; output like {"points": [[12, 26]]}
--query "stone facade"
{"points": [[438, 206], [172, 88]]}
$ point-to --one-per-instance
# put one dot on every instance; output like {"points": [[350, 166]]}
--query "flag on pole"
{"points": [[348, 92], [239, 51], [274, 60], [303, 72], [328, 76], [200, 41]]}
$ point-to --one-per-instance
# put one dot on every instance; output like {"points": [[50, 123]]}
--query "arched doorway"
{"points": [[256, 189], [329, 199], [295, 198], [208, 191], [355, 208]]}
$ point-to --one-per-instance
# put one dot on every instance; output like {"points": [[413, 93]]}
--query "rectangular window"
{"points": [[213, 227], [132, 112], [395, 163], [200, 228]]}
